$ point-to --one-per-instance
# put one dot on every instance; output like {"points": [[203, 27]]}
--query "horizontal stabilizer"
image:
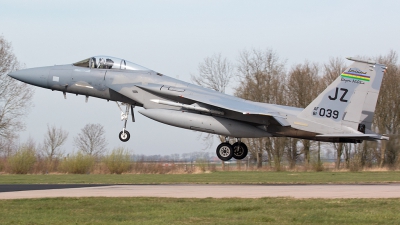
{"points": [[358, 136]]}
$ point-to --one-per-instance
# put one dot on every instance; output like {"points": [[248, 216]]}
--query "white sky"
{"points": [[173, 37]]}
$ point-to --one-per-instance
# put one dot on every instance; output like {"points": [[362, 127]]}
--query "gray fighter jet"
{"points": [[343, 112]]}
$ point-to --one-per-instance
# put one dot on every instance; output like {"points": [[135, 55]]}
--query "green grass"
{"points": [[199, 211], [211, 178]]}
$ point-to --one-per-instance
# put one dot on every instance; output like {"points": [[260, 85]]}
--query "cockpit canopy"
{"points": [[107, 62]]}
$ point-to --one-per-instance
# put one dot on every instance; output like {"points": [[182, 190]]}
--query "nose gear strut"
{"points": [[124, 134]]}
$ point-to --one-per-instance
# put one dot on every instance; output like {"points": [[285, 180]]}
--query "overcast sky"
{"points": [[173, 37]]}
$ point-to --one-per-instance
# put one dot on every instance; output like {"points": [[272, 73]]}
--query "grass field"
{"points": [[203, 211], [211, 178], [199, 211]]}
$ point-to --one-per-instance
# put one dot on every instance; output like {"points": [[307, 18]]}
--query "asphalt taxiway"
{"points": [[201, 191]]}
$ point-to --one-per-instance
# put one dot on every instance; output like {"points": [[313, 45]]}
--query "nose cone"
{"points": [[17, 75], [34, 76]]}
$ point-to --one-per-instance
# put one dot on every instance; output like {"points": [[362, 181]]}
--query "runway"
{"points": [[202, 191]]}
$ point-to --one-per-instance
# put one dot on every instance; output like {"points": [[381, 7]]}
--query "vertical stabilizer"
{"points": [[351, 99]]}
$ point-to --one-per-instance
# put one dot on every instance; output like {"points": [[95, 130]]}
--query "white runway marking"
{"points": [[217, 191]]}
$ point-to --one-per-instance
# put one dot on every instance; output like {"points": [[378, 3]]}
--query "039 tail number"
{"points": [[329, 113]]}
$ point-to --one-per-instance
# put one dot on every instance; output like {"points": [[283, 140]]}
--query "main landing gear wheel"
{"points": [[239, 150], [224, 151], [124, 136]]}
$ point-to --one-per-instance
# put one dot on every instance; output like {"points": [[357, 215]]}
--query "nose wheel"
{"points": [[124, 135]]}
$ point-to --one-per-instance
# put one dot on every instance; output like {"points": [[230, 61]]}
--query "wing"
{"points": [[207, 98]]}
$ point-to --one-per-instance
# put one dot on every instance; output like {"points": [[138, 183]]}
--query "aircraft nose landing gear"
{"points": [[124, 135], [226, 151]]}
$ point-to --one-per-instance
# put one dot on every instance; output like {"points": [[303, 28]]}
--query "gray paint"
{"points": [[241, 118]]}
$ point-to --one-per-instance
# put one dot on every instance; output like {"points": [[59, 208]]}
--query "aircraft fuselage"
{"points": [[342, 113]]}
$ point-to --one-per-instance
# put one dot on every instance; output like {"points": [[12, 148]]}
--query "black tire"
{"points": [[239, 151], [124, 137], [225, 151]]}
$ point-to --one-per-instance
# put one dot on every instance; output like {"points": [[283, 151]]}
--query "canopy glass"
{"points": [[107, 62]]}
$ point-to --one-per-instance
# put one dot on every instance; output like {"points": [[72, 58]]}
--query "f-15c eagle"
{"points": [[343, 112]]}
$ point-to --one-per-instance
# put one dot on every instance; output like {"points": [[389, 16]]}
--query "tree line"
{"points": [[264, 77]]}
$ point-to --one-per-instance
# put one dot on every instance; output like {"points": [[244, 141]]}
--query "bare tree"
{"points": [[262, 78], [53, 140], [7, 147], [91, 140], [331, 71], [261, 74], [301, 78], [387, 116], [292, 153], [215, 72], [15, 97]]}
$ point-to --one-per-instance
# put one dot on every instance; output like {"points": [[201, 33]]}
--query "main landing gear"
{"points": [[226, 151], [124, 135]]}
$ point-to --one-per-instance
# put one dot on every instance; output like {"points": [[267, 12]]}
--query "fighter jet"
{"points": [[343, 112]]}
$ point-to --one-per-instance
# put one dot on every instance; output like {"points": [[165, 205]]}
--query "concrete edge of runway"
{"points": [[200, 191]]}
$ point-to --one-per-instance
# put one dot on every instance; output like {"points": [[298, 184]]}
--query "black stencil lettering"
{"points": [[329, 113], [335, 114], [334, 98], [344, 94], [322, 112]]}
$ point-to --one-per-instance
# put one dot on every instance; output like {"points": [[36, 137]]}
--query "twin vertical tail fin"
{"points": [[349, 102]]}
